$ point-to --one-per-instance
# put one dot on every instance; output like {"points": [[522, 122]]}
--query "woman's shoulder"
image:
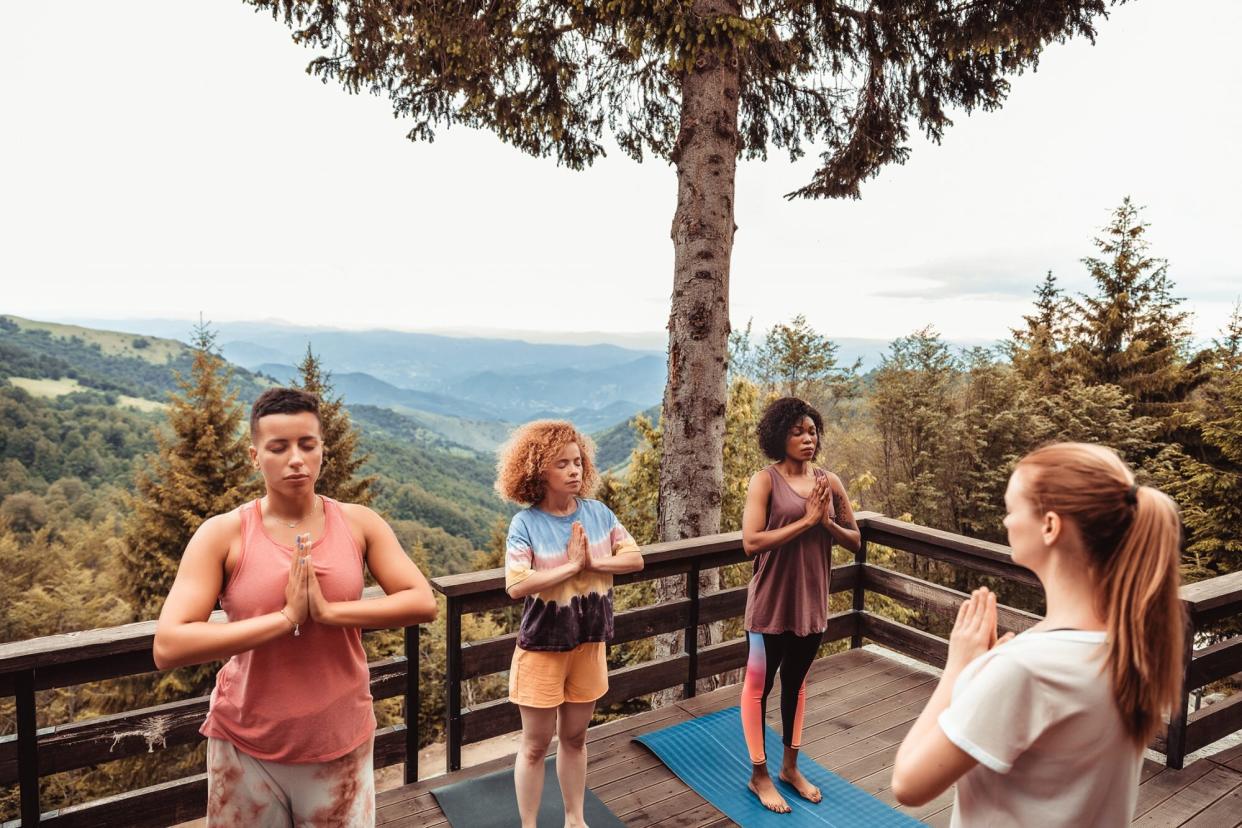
{"points": [[227, 523], [763, 477], [595, 508]]}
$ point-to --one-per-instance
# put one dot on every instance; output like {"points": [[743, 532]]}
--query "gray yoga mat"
{"points": [[490, 802]]}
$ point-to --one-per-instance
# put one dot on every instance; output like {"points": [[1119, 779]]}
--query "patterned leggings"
{"points": [[792, 655], [244, 791]]}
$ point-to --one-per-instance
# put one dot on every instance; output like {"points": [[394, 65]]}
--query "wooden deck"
{"points": [[859, 707]]}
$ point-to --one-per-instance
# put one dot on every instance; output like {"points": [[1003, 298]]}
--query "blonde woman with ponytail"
{"points": [[1048, 728]]}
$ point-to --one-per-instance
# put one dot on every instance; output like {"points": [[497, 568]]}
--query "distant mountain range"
{"points": [[596, 387], [469, 390], [504, 380]]}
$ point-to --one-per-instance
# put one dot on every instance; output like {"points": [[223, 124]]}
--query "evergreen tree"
{"points": [[201, 469], [797, 361], [1206, 481], [1037, 350], [913, 407], [991, 434], [1132, 333], [337, 476], [699, 84]]}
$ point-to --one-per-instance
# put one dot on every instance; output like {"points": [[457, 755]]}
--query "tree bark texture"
{"points": [[691, 464]]}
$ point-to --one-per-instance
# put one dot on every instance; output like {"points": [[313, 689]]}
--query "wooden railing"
{"points": [[1206, 602], [78, 658], [95, 655]]}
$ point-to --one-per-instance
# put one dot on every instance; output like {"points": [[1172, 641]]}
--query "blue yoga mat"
{"points": [[709, 754]]}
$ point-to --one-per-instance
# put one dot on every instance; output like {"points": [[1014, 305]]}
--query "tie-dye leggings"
{"points": [[792, 655], [244, 791]]}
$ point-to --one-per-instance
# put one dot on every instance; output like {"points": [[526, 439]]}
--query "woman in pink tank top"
{"points": [[291, 726], [794, 512]]}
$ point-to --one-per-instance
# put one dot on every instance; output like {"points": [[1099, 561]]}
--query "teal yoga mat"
{"points": [[490, 802], [709, 754]]}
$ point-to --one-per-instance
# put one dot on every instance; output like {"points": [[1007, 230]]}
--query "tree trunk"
{"points": [[691, 464]]}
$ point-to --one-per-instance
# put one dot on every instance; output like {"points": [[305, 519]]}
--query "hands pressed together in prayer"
{"points": [[303, 597], [579, 550], [974, 631]]}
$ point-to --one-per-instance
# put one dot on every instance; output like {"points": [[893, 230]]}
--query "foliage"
{"points": [[338, 475], [551, 77], [1207, 482], [38, 353], [1132, 332], [795, 361], [201, 469]]}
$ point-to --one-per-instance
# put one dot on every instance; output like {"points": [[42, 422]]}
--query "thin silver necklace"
{"points": [[299, 520]]}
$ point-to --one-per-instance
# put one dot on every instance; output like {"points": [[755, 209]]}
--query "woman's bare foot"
{"points": [[771, 798], [805, 789]]}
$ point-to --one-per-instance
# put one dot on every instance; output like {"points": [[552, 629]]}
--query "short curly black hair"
{"points": [[781, 416]]}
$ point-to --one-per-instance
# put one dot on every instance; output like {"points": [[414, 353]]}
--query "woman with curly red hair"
{"points": [[1048, 728], [561, 553]]}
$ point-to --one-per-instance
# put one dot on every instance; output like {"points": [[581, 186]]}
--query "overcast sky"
{"points": [[165, 158]]}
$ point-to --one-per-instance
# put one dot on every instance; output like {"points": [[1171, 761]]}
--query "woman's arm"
{"points": [[408, 599], [927, 762], [755, 538], [626, 557], [840, 521], [541, 580], [183, 635]]}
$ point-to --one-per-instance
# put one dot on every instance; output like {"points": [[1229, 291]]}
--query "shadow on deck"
{"points": [[859, 706]]}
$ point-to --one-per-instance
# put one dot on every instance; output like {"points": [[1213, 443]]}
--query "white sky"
{"points": [[165, 158]]}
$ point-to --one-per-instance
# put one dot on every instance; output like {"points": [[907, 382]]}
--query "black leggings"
{"points": [[792, 655]]}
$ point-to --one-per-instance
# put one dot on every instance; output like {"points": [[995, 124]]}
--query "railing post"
{"points": [[27, 747], [1175, 738], [452, 704], [860, 589], [692, 631], [413, 703]]}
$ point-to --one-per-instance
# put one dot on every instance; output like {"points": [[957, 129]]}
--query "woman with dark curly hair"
{"points": [[794, 511], [561, 554]]}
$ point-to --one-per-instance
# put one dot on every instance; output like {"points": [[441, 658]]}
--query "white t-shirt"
{"points": [[1038, 715]]}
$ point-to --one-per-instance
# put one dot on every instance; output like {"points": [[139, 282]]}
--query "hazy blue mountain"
{"points": [[357, 387], [594, 419], [614, 444], [559, 392]]}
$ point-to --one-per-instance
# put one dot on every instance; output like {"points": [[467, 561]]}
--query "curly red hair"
{"points": [[530, 450]]}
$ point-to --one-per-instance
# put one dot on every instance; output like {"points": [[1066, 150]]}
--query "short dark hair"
{"points": [[282, 401], [781, 416]]}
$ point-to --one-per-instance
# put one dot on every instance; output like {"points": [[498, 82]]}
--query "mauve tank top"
{"points": [[789, 589], [303, 698]]}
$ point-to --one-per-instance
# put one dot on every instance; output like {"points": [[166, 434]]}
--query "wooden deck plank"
{"points": [[1225, 812], [860, 705], [1167, 784], [1194, 798]]}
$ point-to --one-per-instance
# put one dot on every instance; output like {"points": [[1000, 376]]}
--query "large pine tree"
{"points": [[698, 83], [1132, 332], [199, 470], [338, 477]]}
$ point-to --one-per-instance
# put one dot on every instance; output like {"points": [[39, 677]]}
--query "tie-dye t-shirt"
{"points": [[578, 609]]}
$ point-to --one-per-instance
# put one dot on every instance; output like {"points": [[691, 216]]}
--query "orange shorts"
{"points": [[547, 679]]}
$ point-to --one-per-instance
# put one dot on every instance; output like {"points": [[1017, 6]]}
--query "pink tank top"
{"points": [[295, 699]]}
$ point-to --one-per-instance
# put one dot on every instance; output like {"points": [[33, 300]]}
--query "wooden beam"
{"points": [[937, 600]]}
